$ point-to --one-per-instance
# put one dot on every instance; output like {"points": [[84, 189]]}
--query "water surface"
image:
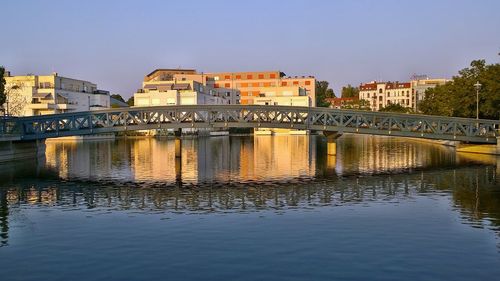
{"points": [[247, 208]]}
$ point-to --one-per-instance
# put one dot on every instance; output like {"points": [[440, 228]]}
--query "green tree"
{"points": [[394, 107], [350, 91], [3, 95], [458, 97], [322, 93], [130, 101], [118, 97]]}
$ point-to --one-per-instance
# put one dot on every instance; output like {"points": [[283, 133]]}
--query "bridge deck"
{"points": [[253, 116]]}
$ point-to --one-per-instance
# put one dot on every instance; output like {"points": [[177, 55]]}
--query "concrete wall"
{"points": [[21, 150]]}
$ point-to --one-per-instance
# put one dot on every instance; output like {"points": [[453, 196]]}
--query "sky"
{"points": [[115, 43]]}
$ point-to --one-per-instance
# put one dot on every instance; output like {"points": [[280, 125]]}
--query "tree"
{"points": [[323, 92], [118, 97], [130, 101], [2, 86], [350, 91], [458, 97], [395, 107], [15, 101], [357, 104]]}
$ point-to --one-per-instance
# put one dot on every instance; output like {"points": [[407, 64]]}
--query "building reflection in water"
{"points": [[244, 159]]}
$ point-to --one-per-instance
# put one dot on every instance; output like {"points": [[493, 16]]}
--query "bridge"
{"points": [[253, 116], [332, 121]]}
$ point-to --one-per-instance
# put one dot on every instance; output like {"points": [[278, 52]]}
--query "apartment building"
{"points": [[29, 95], [419, 87], [177, 87], [265, 88], [406, 94]]}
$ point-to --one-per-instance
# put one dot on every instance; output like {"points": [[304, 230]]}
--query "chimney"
{"points": [[54, 73]]}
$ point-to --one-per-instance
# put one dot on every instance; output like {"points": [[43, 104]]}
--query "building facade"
{"points": [[30, 95], [419, 87], [265, 88], [177, 87], [260, 88], [406, 94]]}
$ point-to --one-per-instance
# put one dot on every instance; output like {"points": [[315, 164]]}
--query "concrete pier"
{"points": [[331, 139], [21, 150]]}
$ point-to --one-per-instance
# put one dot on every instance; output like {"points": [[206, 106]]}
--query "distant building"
{"points": [[29, 95], [421, 85], [177, 87], [406, 94], [265, 88]]}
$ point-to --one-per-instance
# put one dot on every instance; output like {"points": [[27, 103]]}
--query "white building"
{"points": [[406, 94], [29, 95], [170, 90]]}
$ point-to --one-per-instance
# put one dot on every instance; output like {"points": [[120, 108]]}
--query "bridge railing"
{"points": [[197, 116]]}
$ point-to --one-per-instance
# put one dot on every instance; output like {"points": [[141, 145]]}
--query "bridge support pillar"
{"points": [[331, 142], [21, 150], [178, 143]]}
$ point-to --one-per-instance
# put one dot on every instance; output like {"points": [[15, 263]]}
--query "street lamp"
{"points": [[477, 86]]}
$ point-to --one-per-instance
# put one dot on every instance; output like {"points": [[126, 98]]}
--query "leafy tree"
{"points": [[458, 97], [395, 107], [357, 104], [350, 91], [15, 100], [130, 101], [323, 92], [118, 97], [3, 95]]}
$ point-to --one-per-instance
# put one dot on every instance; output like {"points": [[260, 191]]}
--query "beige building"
{"points": [[406, 94], [29, 95], [176, 87], [419, 87]]}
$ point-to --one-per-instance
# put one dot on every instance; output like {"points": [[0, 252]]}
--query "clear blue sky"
{"points": [[115, 43]]}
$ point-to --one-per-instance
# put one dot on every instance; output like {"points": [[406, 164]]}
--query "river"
{"points": [[251, 208]]}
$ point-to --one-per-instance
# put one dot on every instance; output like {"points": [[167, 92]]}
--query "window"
{"points": [[255, 84], [216, 85], [227, 77], [249, 76], [296, 82], [238, 76], [227, 85], [308, 83], [267, 84], [216, 78], [261, 76], [244, 93], [255, 93], [244, 85], [272, 76], [380, 91], [283, 83]]}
